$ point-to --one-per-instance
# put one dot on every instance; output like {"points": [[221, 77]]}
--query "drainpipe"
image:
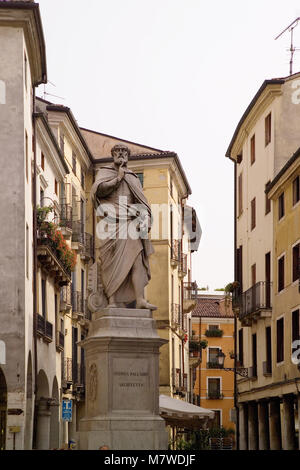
{"points": [[182, 323], [235, 318], [34, 268]]}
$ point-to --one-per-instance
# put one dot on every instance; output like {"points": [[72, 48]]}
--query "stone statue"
{"points": [[124, 224]]}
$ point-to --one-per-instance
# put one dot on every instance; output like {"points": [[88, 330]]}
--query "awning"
{"points": [[180, 413]]}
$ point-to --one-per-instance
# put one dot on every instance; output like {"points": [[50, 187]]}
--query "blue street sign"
{"points": [[67, 410]]}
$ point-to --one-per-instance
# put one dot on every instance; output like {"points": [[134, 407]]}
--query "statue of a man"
{"points": [[124, 246]]}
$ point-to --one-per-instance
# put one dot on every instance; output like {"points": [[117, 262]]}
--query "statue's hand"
{"points": [[121, 172]]}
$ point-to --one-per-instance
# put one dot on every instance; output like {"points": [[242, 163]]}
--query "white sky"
{"points": [[175, 75]]}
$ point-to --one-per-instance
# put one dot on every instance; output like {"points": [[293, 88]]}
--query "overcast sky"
{"points": [[175, 75]]}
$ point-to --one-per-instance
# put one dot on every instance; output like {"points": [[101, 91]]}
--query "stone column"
{"points": [[275, 424], [243, 414], [43, 425], [253, 426], [263, 426], [288, 423]]}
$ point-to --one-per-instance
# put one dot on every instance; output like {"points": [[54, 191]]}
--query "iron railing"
{"points": [[183, 264], [78, 232], [77, 303], [257, 298], [190, 290], [67, 370], [65, 296], [214, 395], [175, 250], [176, 314], [66, 214], [44, 328], [60, 340]]}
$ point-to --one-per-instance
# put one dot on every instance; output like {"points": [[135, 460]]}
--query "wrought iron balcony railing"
{"points": [[214, 395], [212, 365], [78, 232], [77, 303], [183, 265], [255, 300], [190, 290], [67, 370], [44, 328], [65, 298], [175, 251], [65, 219], [176, 315]]}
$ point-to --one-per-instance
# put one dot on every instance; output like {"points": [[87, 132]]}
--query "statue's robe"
{"points": [[117, 255]]}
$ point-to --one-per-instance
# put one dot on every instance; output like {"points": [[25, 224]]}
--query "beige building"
{"points": [[265, 138]]}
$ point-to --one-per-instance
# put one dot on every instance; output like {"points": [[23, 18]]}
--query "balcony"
{"points": [[175, 253], [65, 220], [214, 395], [65, 299], [176, 316], [255, 303], [44, 329], [252, 372], [182, 268], [215, 333], [77, 235], [179, 382], [193, 399], [87, 251], [60, 341], [212, 365], [52, 261], [77, 305], [78, 373], [87, 315], [190, 290], [267, 369], [66, 370]]}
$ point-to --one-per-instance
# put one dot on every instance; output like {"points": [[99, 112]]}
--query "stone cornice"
{"points": [[26, 15], [264, 97]]}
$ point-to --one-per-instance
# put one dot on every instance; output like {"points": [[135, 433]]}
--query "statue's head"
{"points": [[120, 154]]}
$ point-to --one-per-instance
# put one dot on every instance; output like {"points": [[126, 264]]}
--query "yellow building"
{"points": [[213, 322], [284, 191]]}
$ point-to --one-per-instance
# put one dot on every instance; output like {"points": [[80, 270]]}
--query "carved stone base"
{"points": [[122, 382]]}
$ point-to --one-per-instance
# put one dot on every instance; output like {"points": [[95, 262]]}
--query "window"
{"points": [[268, 122], [27, 251], [212, 355], [253, 274], [241, 347], [254, 355], [253, 214], [281, 206], [281, 274], [82, 179], [43, 162], [26, 155], [41, 198], [296, 262], [268, 350], [267, 201], [216, 422], [141, 178], [55, 187], [240, 194], [296, 190], [295, 327], [214, 388], [280, 340], [25, 70], [74, 163], [213, 327], [252, 149], [44, 313]]}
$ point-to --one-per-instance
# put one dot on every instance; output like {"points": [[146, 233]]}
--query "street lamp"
{"points": [[242, 371]]}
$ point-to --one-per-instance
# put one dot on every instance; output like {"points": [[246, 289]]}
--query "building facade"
{"points": [[265, 138], [213, 388]]}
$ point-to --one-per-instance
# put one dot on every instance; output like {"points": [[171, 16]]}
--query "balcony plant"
{"points": [[50, 235], [214, 333], [203, 344]]}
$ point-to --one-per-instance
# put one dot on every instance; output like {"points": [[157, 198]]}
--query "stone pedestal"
{"points": [[122, 382]]}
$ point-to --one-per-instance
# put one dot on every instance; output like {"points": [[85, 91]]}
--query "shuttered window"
{"points": [[281, 274], [252, 149], [268, 122], [296, 262], [240, 194], [253, 214], [296, 190], [267, 201], [281, 206], [253, 274], [280, 340]]}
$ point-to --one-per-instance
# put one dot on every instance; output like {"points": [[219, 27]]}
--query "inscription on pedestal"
{"points": [[131, 385]]}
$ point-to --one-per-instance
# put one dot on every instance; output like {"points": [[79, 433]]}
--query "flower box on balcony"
{"points": [[212, 365], [216, 333]]}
